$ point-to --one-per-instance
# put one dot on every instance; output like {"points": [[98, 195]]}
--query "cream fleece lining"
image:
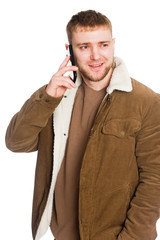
{"points": [[61, 119]]}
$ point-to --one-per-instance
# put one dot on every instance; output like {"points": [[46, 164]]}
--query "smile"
{"points": [[96, 65]]}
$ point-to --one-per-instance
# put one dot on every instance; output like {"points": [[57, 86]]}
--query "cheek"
{"points": [[109, 57], [78, 61], [81, 59], [109, 53]]}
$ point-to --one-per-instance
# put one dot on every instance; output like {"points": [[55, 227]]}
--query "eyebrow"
{"points": [[87, 43]]}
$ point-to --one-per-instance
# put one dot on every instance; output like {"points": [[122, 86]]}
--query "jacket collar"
{"points": [[120, 79]]}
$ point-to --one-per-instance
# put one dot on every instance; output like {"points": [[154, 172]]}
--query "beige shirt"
{"points": [[64, 224]]}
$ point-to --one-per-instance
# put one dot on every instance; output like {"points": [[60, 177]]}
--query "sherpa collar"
{"points": [[120, 79]]}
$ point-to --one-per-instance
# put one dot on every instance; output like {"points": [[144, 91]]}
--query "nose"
{"points": [[95, 53]]}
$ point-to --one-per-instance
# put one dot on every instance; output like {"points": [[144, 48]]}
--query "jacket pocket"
{"points": [[121, 128], [110, 211]]}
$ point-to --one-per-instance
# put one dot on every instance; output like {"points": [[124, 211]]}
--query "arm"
{"points": [[23, 131], [141, 218]]}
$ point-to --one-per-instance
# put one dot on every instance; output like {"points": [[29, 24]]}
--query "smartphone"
{"points": [[70, 49]]}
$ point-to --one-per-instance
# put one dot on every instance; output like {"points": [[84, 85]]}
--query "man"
{"points": [[98, 141]]}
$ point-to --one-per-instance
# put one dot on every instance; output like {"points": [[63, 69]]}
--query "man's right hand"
{"points": [[60, 83]]}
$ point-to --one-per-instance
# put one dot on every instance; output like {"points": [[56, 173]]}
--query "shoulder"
{"points": [[142, 90], [140, 102], [145, 97]]}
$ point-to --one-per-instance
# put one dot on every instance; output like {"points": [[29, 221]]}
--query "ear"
{"points": [[113, 39], [113, 44], [66, 46]]}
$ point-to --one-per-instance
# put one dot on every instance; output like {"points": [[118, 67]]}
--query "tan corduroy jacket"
{"points": [[119, 196]]}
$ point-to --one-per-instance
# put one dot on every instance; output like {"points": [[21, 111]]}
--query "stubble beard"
{"points": [[90, 76]]}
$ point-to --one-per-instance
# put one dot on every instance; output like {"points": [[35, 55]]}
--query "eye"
{"points": [[83, 47], [105, 45]]}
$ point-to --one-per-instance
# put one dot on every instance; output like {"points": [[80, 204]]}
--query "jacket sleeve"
{"points": [[143, 213], [22, 134]]}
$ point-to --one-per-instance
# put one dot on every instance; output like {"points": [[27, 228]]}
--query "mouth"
{"points": [[96, 66]]}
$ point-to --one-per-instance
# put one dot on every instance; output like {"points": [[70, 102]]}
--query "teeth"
{"points": [[96, 65]]}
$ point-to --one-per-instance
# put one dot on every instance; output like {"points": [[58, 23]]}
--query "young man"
{"points": [[98, 142]]}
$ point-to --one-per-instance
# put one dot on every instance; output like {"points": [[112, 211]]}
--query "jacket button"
{"points": [[41, 95], [84, 179], [46, 100], [122, 133], [109, 99]]}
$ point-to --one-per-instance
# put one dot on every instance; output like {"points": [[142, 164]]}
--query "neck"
{"points": [[99, 85]]}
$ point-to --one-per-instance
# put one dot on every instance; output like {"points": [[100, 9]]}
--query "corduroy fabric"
{"points": [[119, 196]]}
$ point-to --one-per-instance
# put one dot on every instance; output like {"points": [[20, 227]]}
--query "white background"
{"points": [[32, 38]]}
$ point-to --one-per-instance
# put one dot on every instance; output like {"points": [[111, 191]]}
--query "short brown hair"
{"points": [[87, 19]]}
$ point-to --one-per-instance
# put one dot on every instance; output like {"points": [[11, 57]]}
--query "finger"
{"points": [[66, 69], [65, 62], [66, 83], [65, 79]]}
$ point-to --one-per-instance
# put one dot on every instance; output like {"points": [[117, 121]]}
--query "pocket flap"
{"points": [[121, 127]]}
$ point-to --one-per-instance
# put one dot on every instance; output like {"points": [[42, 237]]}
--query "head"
{"points": [[90, 34], [87, 20]]}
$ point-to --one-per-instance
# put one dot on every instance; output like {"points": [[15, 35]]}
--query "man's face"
{"points": [[94, 52]]}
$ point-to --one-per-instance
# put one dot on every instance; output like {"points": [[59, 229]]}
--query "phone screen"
{"points": [[73, 62]]}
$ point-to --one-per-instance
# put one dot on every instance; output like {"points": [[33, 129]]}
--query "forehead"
{"points": [[96, 34]]}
